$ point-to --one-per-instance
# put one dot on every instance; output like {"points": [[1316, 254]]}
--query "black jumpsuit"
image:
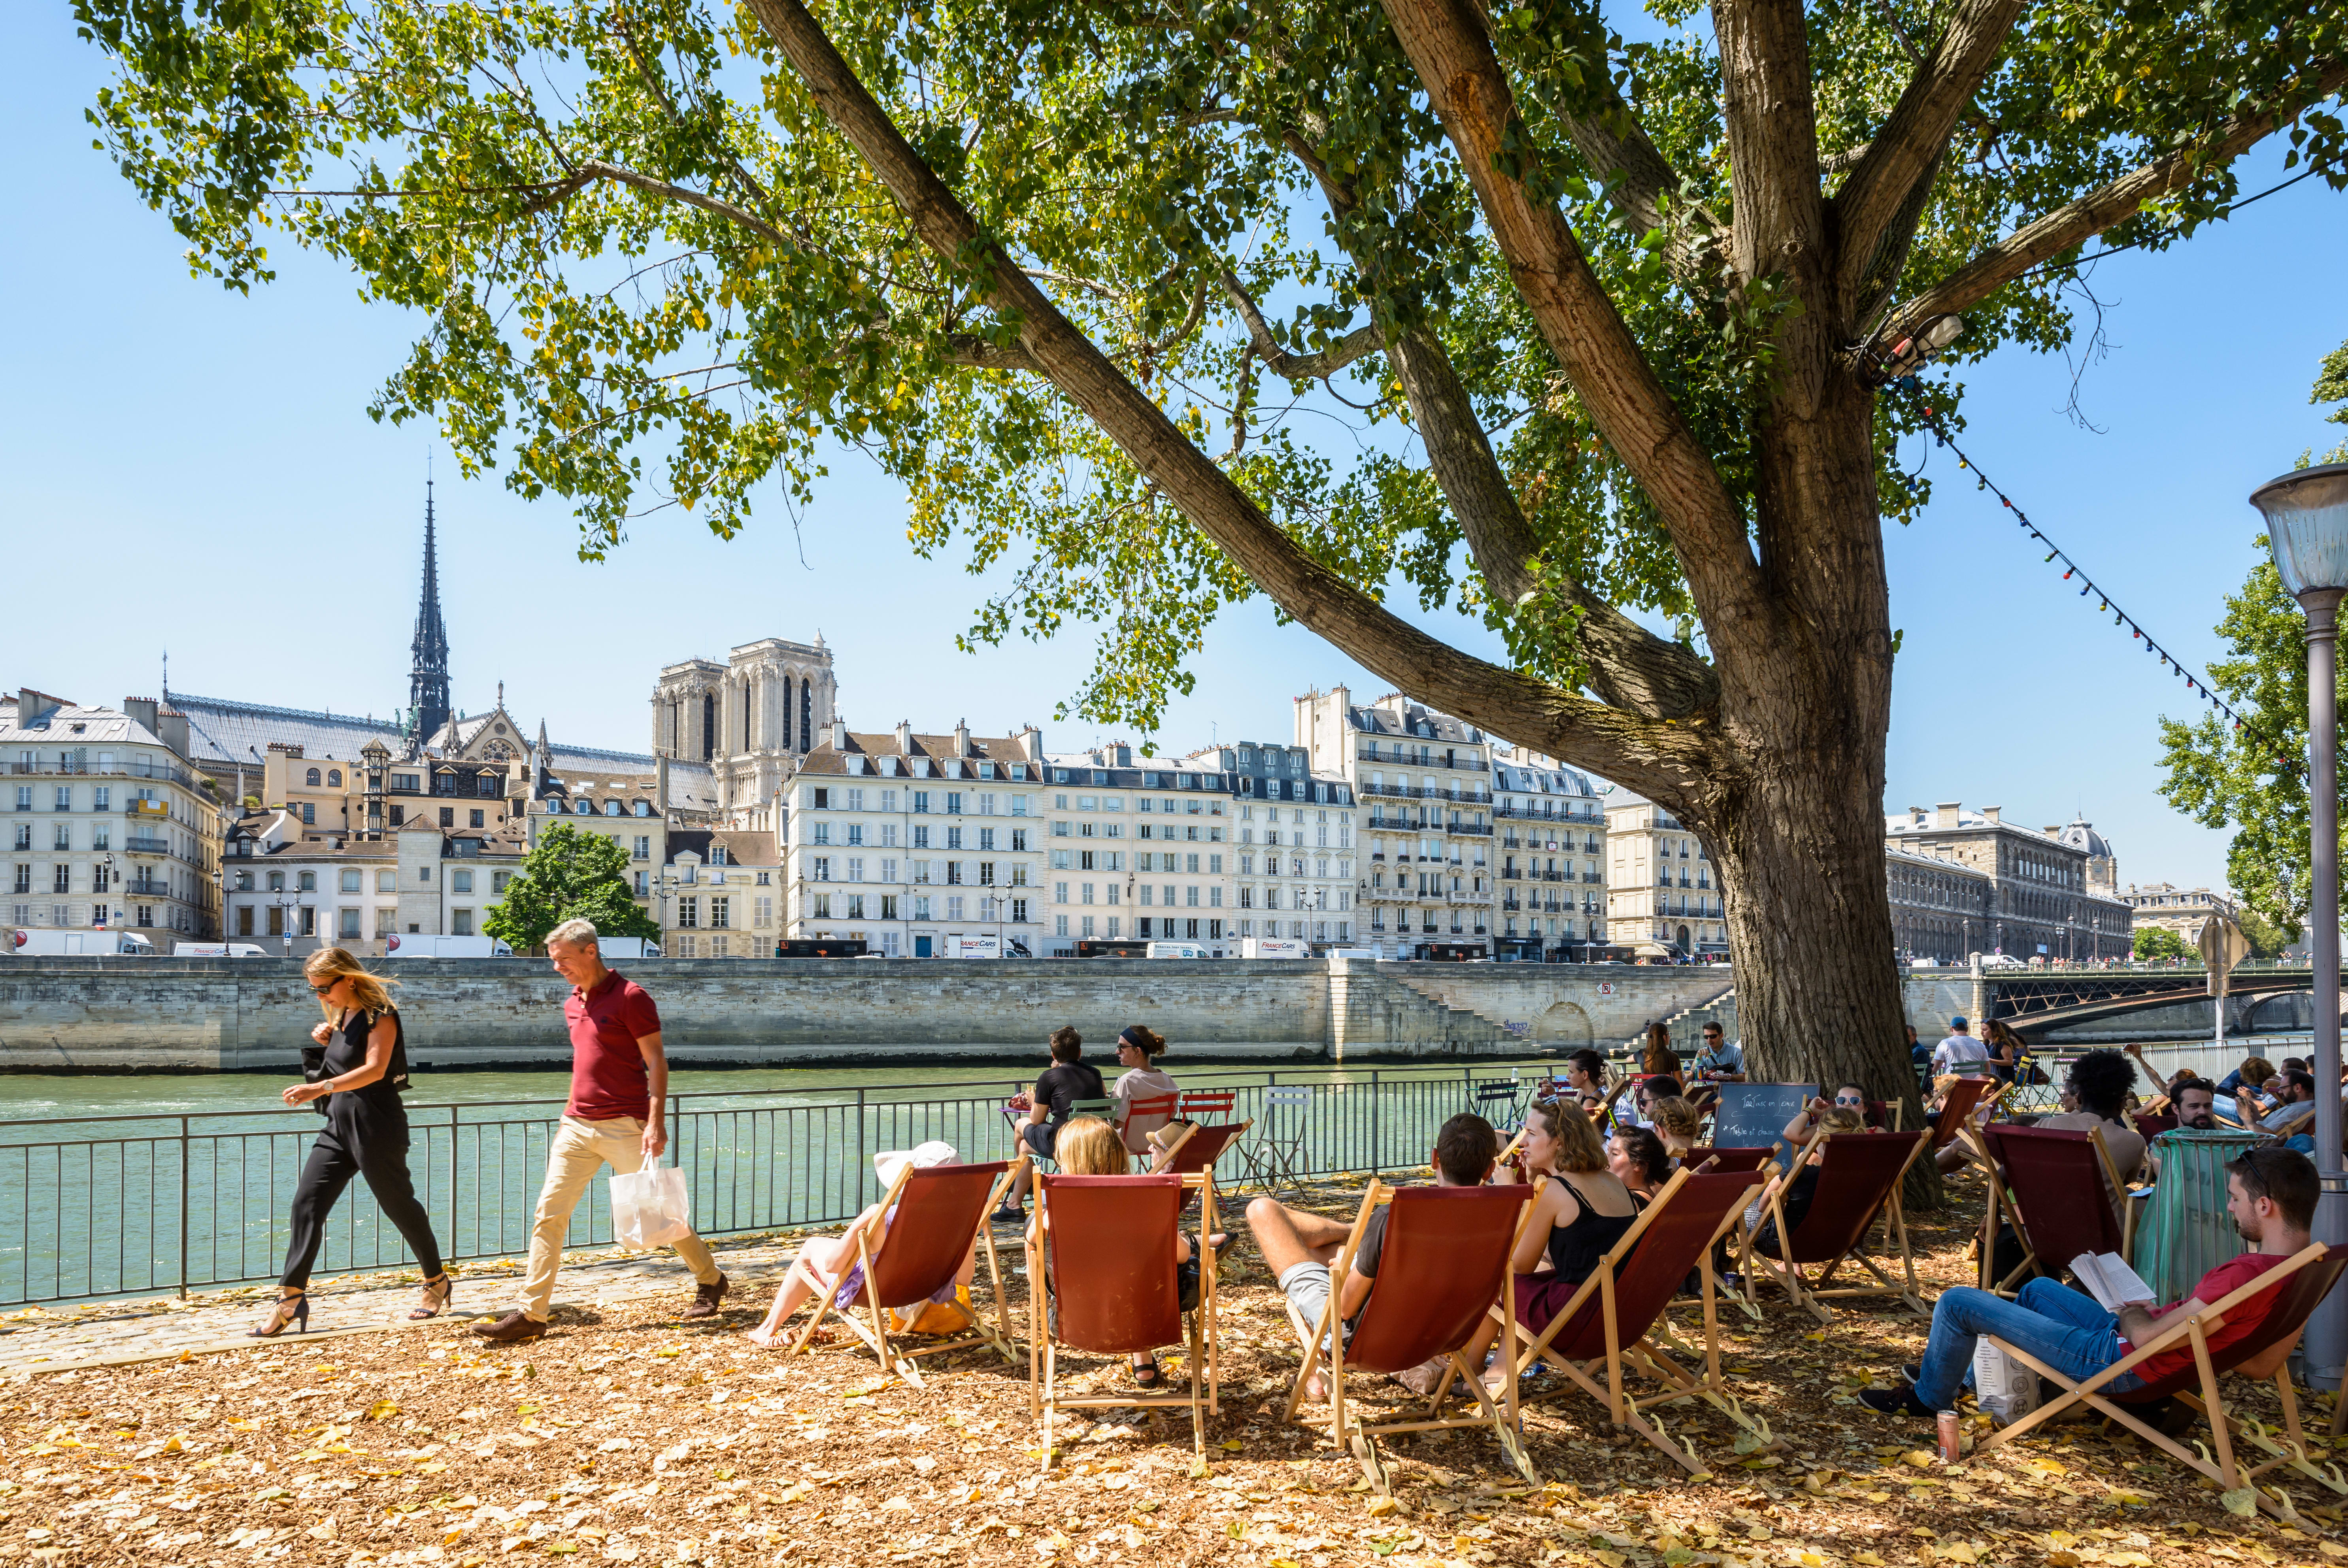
{"points": [[366, 1134]]}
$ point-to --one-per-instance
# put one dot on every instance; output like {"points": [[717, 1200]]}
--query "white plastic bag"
{"points": [[650, 1208], [2004, 1388]]}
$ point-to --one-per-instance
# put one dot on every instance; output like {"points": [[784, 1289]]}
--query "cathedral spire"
{"points": [[428, 686]]}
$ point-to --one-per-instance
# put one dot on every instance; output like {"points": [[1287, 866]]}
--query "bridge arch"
{"points": [[1565, 1024]]}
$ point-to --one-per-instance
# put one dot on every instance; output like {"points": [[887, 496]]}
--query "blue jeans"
{"points": [[2059, 1326]]}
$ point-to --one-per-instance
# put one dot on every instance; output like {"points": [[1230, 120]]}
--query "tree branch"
{"points": [[1316, 367], [595, 168], [1609, 373], [1627, 746], [1907, 149], [2099, 209]]}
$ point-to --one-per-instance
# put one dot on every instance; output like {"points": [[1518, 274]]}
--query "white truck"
{"points": [[1179, 949], [218, 950], [413, 945], [627, 947], [974, 946], [32, 943], [1274, 947]]}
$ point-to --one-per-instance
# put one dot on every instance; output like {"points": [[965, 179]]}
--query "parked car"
{"points": [[32, 943]]}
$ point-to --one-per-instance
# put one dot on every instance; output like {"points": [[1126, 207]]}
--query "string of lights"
{"points": [[2072, 570]]}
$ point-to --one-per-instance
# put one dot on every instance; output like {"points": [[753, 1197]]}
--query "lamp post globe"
{"points": [[2307, 529]]}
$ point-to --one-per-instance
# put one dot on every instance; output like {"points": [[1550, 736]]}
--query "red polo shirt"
{"points": [[607, 1067]]}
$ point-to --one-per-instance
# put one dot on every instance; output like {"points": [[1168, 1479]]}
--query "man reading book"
{"points": [[2270, 1198]]}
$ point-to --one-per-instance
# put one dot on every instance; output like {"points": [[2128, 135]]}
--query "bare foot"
{"points": [[1316, 1389], [763, 1335]]}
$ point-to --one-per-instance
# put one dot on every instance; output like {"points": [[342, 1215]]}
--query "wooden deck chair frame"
{"points": [[1645, 1353], [1045, 1403], [2000, 1200], [895, 1356], [2226, 1430], [1811, 1295], [1202, 1181], [1944, 1129], [1324, 1346]]}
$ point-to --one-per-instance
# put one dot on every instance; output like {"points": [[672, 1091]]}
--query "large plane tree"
{"points": [[1612, 317]]}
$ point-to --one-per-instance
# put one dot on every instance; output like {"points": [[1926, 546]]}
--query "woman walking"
{"points": [[366, 1134]]}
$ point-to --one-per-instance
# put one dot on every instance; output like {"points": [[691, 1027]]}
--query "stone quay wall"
{"points": [[168, 1015]]}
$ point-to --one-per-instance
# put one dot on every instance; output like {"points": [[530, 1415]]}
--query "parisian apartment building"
{"points": [[109, 826]]}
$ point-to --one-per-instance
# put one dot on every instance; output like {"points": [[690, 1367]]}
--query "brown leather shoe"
{"points": [[511, 1329], [706, 1299]]}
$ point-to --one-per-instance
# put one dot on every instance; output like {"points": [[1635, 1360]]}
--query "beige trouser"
{"points": [[580, 1151]]}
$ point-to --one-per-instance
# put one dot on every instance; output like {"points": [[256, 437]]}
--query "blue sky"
{"points": [[193, 470]]}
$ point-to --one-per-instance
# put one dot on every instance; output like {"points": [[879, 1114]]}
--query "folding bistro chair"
{"points": [[1444, 1265], [1277, 1157], [1859, 1174], [1157, 1109], [1108, 1270], [935, 1214], [1612, 1317], [1208, 1104], [2304, 1279], [1495, 1099], [2039, 1175]]}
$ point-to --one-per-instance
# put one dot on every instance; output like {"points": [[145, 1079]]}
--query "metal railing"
{"points": [[126, 1205]]}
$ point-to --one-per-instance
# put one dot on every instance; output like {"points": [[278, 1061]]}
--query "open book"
{"points": [[2110, 1280]]}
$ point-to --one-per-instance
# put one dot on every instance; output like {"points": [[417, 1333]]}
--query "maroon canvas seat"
{"points": [[1609, 1318], [1859, 1177], [1442, 1268], [1964, 1097], [937, 1213], [1107, 1252], [2302, 1281], [2042, 1176], [1709, 1159]]}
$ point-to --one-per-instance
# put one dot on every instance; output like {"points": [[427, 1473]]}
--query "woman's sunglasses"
{"points": [[1851, 1099], [322, 990]]}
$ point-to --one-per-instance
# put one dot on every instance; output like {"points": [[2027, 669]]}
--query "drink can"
{"points": [[1951, 1444]]}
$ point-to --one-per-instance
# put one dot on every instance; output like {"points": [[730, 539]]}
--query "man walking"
{"points": [[619, 1088]]}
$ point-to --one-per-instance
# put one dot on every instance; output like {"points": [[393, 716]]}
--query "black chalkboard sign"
{"points": [[1754, 1115]]}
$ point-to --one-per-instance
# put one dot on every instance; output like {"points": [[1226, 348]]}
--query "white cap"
{"points": [[889, 1164]]}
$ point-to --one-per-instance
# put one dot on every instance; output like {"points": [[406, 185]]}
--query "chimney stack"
{"points": [[962, 738], [660, 784], [839, 735], [904, 738], [1944, 814]]}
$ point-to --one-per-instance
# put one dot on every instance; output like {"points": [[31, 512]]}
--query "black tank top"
{"points": [[1576, 1249], [346, 1051]]}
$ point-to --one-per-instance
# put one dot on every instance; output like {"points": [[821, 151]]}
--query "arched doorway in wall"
{"points": [[1684, 946], [1564, 1025]]}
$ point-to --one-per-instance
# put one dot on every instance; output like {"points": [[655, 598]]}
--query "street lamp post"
{"points": [[2307, 529]]}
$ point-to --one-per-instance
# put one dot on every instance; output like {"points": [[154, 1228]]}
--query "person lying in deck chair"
{"points": [[824, 1262], [1299, 1246], [2270, 1198]]}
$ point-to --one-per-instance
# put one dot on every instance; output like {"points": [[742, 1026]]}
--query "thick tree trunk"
{"points": [[1798, 827]]}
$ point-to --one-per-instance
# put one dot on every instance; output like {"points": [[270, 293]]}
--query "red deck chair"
{"points": [[1445, 1265], [2151, 1124], [1712, 1161], [2040, 1176], [939, 1212], [2305, 1278], [1858, 1175], [1965, 1097], [1110, 1264], [1158, 1110], [1611, 1318]]}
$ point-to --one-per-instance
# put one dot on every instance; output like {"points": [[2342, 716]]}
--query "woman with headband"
{"points": [[1137, 1050]]}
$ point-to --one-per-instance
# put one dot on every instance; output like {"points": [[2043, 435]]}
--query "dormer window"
{"points": [[611, 808]]}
